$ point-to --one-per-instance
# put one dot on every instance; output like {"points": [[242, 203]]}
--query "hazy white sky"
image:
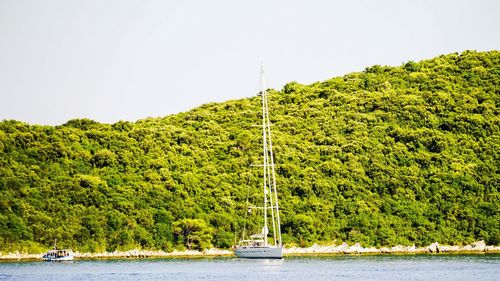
{"points": [[128, 60]]}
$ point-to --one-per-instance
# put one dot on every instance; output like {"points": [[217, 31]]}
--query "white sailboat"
{"points": [[260, 245]]}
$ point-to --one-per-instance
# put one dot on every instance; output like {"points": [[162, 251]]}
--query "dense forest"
{"points": [[390, 155]]}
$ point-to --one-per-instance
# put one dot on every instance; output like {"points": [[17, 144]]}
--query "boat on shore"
{"points": [[260, 245]]}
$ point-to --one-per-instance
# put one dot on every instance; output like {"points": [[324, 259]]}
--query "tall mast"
{"points": [[269, 170], [273, 180], [264, 144], [269, 163]]}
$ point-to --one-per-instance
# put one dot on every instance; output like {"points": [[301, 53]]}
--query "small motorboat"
{"points": [[58, 255]]}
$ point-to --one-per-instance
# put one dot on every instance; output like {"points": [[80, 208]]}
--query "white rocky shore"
{"points": [[476, 247]]}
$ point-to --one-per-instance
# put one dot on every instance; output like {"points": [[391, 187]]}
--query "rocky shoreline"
{"points": [[476, 247], [434, 248]]}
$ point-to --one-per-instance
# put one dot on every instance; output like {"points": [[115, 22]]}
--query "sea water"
{"points": [[378, 267]]}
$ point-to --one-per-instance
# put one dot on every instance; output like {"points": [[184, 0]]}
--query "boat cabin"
{"points": [[256, 240]]}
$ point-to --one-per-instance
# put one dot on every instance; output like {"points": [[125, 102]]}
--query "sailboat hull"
{"points": [[259, 252]]}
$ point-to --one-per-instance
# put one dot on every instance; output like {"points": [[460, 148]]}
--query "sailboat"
{"points": [[260, 245]]}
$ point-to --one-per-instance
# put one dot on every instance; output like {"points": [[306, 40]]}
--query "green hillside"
{"points": [[391, 155]]}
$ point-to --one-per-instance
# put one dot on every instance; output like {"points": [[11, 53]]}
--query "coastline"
{"points": [[434, 248], [343, 249]]}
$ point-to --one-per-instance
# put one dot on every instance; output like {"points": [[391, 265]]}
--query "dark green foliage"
{"points": [[392, 155]]}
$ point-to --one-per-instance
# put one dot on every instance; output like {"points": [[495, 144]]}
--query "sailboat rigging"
{"points": [[259, 246]]}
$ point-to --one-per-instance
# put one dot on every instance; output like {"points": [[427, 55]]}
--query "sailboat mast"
{"points": [[273, 180], [269, 164], [264, 144]]}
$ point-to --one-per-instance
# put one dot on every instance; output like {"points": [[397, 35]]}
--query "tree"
{"points": [[194, 233]]}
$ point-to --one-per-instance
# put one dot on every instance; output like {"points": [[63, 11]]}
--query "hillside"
{"points": [[391, 155]]}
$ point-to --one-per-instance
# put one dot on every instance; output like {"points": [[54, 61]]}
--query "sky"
{"points": [[129, 60]]}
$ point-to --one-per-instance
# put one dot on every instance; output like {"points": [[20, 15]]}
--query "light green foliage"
{"points": [[391, 155], [193, 233]]}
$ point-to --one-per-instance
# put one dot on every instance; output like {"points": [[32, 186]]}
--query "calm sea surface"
{"points": [[394, 267]]}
